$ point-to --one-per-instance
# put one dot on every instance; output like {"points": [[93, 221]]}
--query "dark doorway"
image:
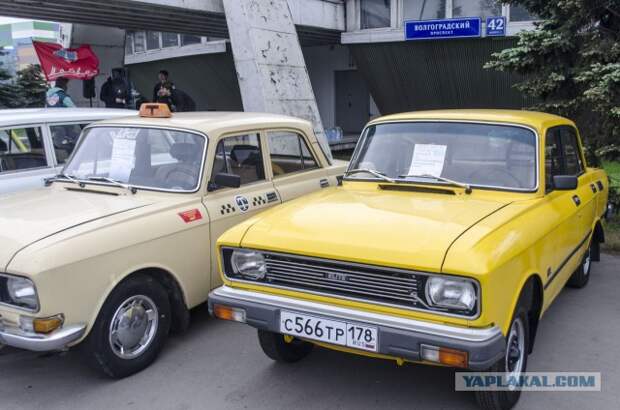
{"points": [[352, 101]]}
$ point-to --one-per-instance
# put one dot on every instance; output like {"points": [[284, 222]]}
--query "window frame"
{"points": [[46, 140], [300, 135], [262, 145], [580, 153]]}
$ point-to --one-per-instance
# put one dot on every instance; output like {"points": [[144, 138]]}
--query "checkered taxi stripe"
{"points": [[228, 209]]}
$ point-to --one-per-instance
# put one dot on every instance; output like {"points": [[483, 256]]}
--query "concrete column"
{"points": [[270, 66]]}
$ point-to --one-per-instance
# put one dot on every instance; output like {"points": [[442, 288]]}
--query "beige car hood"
{"points": [[28, 217]]}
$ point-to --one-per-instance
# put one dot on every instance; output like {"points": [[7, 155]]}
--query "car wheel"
{"points": [[512, 365], [131, 328], [581, 276], [277, 348]]}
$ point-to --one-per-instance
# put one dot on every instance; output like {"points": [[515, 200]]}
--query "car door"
{"points": [[568, 208], [241, 154], [25, 158], [295, 167]]}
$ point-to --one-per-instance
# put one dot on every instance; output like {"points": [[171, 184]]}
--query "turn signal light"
{"points": [[47, 325], [443, 355], [155, 110], [229, 313]]}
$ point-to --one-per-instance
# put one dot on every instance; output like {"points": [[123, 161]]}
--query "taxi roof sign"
{"points": [[155, 110]]}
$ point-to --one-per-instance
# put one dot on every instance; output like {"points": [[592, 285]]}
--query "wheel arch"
{"points": [[532, 297]]}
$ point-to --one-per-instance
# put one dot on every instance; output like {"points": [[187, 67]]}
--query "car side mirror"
{"points": [[223, 180], [565, 182]]}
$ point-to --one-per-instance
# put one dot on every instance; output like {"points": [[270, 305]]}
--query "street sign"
{"points": [[446, 28], [496, 26]]}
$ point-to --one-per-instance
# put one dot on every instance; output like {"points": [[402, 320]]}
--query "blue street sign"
{"points": [[496, 26], [447, 28]]}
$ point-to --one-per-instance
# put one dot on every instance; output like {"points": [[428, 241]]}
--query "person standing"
{"points": [[57, 96], [163, 88], [114, 92]]}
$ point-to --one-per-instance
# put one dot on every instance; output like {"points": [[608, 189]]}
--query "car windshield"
{"points": [[141, 157], [484, 155]]}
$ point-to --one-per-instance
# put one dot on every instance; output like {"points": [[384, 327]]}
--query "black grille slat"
{"points": [[342, 279]]}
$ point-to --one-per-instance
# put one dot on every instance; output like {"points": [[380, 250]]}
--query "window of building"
{"points": [[170, 40], [375, 13], [152, 40], [64, 138], [239, 155], [289, 153], [21, 148], [481, 8], [129, 43], [520, 13], [187, 39], [424, 9], [139, 42]]}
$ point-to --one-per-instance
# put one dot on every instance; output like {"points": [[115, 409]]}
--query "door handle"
{"points": [[576, 200]]}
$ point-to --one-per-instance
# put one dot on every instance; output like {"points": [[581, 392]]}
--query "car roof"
{"points": [[10, 117], [217, 121], [539, 120]]}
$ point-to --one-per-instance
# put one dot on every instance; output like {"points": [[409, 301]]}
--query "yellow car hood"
{"points": [[28, 217], [411, 230]]}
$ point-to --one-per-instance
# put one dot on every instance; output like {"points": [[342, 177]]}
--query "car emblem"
{"points": [[340, 277], [242, 202]]}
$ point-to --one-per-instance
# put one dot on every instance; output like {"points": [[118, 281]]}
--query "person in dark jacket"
{"points": [[114, 93], [160, 91]]}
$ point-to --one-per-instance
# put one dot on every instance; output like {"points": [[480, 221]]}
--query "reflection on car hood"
{"points": [[410, 230], [28, 217]]}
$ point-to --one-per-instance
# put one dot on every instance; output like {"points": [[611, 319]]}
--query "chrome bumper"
{"points": [[398, 336], [57, 340]]}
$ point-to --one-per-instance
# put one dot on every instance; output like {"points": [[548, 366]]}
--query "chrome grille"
{"points": [[344, 279]]}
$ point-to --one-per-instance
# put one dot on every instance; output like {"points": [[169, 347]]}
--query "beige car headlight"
{"points": [[19, 292]]}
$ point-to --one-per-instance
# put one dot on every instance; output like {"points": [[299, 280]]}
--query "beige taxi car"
{"points": [[114, 252]]}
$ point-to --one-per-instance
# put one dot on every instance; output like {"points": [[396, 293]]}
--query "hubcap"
{"points": [[515, 350], [133, 327]]}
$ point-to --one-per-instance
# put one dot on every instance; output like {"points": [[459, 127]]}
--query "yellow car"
{"points": [[114, 252], [451, 234]]}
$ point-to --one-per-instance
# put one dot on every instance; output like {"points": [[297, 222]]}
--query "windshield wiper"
{"points": [[63, 177], [466, 187], [114, 182], [378, 174]]}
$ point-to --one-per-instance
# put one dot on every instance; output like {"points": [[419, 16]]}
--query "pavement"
{"points": [[219, 365]]}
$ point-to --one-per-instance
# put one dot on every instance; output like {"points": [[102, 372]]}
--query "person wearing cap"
{"points": [[57, 96]]}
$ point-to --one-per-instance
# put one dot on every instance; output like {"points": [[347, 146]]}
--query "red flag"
{"points": [[76, 63]]}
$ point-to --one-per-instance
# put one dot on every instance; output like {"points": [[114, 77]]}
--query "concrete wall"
{"points": [[109, 45]]}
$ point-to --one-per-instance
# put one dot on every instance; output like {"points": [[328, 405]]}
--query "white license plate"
{"points": [[330, 331]]}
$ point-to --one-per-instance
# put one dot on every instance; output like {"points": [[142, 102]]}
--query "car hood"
{"points": [[411, 230], [28, 217]]}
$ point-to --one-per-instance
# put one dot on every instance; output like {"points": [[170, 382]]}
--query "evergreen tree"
{"points": [[9, 92], [571, 63], [32, 86]]}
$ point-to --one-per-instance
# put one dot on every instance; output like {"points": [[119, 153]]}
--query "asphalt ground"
{"points": [[219, 365]]}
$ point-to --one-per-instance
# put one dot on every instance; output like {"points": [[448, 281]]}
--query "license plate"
{"points": [[329, 331]]}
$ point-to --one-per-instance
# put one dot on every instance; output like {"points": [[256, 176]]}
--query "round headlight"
{"points": [[249, 264], [22, 292], [451, 293]]}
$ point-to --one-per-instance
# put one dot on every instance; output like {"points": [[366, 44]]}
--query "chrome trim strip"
{"points": [[396, 322], [364, 135], [438, 311], [57, 340]]}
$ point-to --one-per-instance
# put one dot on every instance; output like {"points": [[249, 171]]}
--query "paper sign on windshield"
{"points": [[428, 159], [123, 159]]}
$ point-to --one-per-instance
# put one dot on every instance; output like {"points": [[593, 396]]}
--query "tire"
{"points": [[505, 400], [580, 278], [276, 348], [126, 338]]}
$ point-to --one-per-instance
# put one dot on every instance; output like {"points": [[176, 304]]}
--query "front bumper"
{"points": [[57, 340], [398, 337]]}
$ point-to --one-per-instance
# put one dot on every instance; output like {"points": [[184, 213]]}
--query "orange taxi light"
{"points": [[155, 110]]}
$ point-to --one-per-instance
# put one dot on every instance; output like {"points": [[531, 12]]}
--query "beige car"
{"points": [[114, 252]]}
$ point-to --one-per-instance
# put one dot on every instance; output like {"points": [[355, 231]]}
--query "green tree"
{"points": [[9, 92], [31, 86], [571, 63]]}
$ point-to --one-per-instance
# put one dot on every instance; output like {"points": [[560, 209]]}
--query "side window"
{"points": [[64, 138], [553, 157], [289, 153], [570, 147], [21, 148], [239, 155]]}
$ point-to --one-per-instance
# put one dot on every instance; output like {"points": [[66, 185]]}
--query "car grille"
{"points": [[345, 279]]}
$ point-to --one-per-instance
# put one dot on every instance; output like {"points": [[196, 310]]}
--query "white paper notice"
{"points": [[428, 159], [123, 159]]}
